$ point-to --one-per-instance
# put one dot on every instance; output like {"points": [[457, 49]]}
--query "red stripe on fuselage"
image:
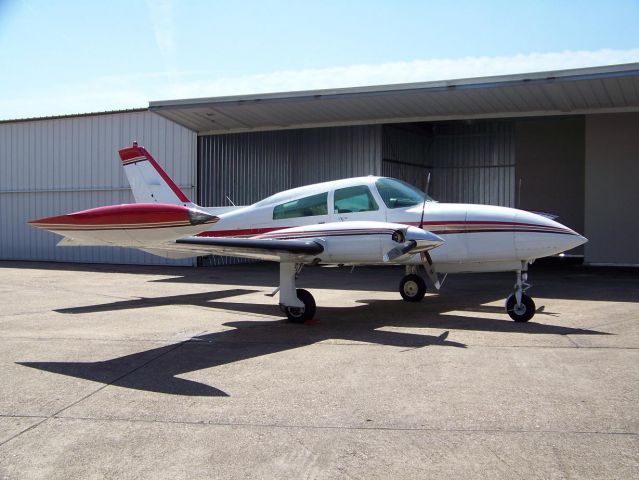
{"points": [[477, 222], [500, 227], [245, 232]]}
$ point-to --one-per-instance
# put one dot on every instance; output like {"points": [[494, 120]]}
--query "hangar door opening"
{"points": [[535, 163], [469, 162]]}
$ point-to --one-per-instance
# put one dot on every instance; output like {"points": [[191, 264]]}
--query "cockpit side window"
{"points": [[354, 199], [302, 207], [396, 193]]}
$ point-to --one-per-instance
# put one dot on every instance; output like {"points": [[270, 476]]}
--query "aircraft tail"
{"points": [[149, 182]]}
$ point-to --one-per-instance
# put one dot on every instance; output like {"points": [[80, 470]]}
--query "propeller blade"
{"points": [[400, 250]]}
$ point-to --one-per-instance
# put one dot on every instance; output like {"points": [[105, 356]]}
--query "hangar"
{"points": [[563, 142]]}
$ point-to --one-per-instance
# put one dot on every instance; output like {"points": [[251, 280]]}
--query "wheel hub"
{"points": [[411, 288], [519, 309], [295, 312]]}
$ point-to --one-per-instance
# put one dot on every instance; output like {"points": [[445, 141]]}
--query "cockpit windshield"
{"points": [[396, 193]]}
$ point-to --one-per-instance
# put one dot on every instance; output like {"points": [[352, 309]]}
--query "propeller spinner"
{"points": [[413, 240]]}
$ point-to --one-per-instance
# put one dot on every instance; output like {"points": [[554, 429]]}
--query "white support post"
{"points": [[518, 288], [288, 293]]}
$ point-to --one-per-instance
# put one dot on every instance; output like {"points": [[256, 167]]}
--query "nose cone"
{"points": [[539, 236], [578, 240]]}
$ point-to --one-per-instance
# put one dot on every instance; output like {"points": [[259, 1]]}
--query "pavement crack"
{"points": [[509, 467], [522, 431], [572, 341]]}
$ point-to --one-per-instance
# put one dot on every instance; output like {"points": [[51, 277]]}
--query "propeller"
{"points": [[400, 250], [412, 240]]}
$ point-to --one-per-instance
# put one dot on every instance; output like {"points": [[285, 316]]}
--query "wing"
{"points": [[274, 250]]}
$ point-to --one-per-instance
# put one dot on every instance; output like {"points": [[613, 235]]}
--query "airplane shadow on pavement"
{"points": [[157, 369]]}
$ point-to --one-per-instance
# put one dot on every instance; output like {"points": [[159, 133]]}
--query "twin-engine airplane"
{"points": [[357, 221]]}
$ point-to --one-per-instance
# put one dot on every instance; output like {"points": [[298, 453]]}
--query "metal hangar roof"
{"points": [[566, 92]]}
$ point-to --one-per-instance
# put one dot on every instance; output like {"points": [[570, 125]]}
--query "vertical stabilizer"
{"points": [[149, 182]]}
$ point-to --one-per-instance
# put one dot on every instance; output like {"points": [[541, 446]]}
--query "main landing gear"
{"points": [[298, 304], [519, 306]]}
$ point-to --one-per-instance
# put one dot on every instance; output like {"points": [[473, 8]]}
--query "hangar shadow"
{"points": [[159, 369]]}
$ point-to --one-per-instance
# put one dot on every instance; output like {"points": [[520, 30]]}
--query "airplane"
{"points": [[356, 221]]}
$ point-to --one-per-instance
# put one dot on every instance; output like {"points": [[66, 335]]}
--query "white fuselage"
{"points": [[477, 237]]}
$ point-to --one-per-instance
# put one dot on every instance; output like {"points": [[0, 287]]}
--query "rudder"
{"points": [[149, 182]]}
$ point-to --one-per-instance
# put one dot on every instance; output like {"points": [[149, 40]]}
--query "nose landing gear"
{"points": [[519, 306], [412, 288]]}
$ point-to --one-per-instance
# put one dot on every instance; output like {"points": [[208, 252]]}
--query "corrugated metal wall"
{"points": [[470, 162], [245, 167], [407, 154], [323, 154], [56, 166]]}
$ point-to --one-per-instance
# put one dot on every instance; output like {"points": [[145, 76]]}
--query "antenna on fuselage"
{"points": [[229, 199], [519, 194], [421, 221]]}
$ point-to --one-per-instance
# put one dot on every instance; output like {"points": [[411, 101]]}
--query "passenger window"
{"points": [[302, 207], [354, 199]]}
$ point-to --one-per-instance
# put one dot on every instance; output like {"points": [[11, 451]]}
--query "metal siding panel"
{"points": [[470, 163], [339, 152], [61, 165]]}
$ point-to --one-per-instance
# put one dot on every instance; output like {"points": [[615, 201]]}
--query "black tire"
{"points": [[524, 312], [412, 288], [297, 315]]}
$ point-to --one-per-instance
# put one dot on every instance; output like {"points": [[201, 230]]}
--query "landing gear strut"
{"points": [[298, 304], [519, 306]]}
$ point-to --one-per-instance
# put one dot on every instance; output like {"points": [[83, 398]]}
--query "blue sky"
{"points": [[82, 56]]}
